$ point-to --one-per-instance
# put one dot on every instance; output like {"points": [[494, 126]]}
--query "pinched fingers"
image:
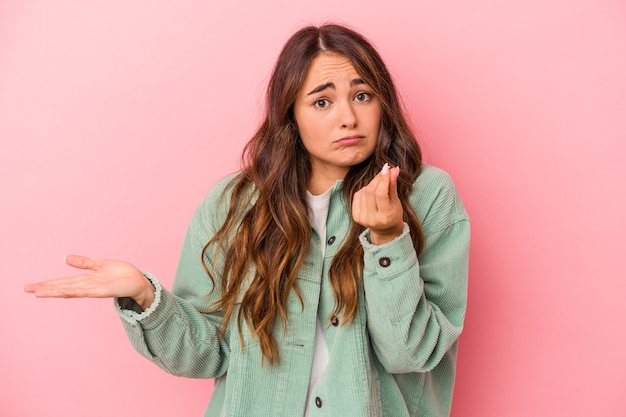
{"points": [[394, 173], [379, 192], [377, 205]]}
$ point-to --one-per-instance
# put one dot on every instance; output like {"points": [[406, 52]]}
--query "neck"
{"points": [[318, 189], [322, 179]]}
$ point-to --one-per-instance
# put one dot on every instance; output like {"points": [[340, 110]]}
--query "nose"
{"points": [[347, 116]]}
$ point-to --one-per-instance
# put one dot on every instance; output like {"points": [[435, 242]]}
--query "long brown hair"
{"points": [[267, 229]]}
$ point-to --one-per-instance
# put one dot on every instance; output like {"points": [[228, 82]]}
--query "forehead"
{"points": [[329, 67]]}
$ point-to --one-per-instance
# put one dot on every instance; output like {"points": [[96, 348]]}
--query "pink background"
{"points": [[117, 116]]}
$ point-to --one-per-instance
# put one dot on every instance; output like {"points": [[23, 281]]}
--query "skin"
{"points": [[102, 278], [378, 207], [338, 119]]}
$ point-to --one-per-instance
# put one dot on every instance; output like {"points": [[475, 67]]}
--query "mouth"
{"points": [[350, 140]]}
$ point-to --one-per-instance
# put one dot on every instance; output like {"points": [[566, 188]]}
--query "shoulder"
{"points": [[436, 201], [213, 208], [432, 181], [222, 188]]}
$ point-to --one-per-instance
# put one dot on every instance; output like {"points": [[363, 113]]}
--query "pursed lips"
{"points": [[349, 140]]}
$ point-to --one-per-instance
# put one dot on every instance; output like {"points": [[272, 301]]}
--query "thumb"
{"points": [[81, 262]]}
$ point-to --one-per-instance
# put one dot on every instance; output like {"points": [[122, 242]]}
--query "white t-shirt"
{"points": [[319, 213]]}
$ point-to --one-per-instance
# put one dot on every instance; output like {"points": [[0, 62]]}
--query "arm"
{"points": [[175, 333], [415, 308], [166, 327]]}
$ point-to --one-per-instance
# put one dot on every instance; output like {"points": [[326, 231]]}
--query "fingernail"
{"points": [[385, 169]]}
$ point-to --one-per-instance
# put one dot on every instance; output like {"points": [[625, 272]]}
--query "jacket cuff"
{"points": [[391, 258], [131, 312]]}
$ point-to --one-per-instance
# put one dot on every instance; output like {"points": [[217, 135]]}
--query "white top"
{"points": [[319, 213]]}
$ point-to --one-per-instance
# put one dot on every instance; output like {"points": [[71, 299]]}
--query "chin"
{"points": [[356, 160]]}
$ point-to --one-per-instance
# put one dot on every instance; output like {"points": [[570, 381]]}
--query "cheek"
{"points": [[311, 141], [375, 117], [307, 135], [312, 131], [303, 123], [369, 117]]}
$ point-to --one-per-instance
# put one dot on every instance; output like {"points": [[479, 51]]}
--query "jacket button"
{"points": [[331, 240], [318, 402], [334, 321], [384, 262]]}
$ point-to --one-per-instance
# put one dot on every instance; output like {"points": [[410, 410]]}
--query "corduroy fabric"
{"points": [[398, 357]]}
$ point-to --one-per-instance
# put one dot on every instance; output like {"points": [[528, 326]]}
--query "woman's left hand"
{"points": [[378, 207]]}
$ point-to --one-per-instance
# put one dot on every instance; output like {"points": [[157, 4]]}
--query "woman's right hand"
{"points": [[106, 278]]}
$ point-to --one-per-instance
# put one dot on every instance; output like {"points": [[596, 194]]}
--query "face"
{"points": [[338, 117]]}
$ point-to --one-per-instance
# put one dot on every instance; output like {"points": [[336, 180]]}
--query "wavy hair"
{"points": [[267, 228]]}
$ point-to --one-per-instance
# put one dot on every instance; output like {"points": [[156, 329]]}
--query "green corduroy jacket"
{"points": [[396, 359]]}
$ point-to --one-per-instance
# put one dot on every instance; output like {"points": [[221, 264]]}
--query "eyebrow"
{"points": [[323, 87]]}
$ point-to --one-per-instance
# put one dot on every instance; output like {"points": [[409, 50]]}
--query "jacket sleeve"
{"points": [[174, 332], [416, 307]]}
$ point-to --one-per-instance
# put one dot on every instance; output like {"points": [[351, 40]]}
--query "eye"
{"points": [[321, 103], [362, 96]]}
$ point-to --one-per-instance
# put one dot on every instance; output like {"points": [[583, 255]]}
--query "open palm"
{"points": [[103, 278]]}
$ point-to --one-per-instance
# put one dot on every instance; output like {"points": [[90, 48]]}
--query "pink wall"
{"points": [[116, 117]]}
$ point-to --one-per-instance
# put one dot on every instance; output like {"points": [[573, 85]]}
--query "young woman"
{"points": [[327, 277]]}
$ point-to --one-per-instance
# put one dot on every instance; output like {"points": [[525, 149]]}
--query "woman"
{"points": [[312, 282]]}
